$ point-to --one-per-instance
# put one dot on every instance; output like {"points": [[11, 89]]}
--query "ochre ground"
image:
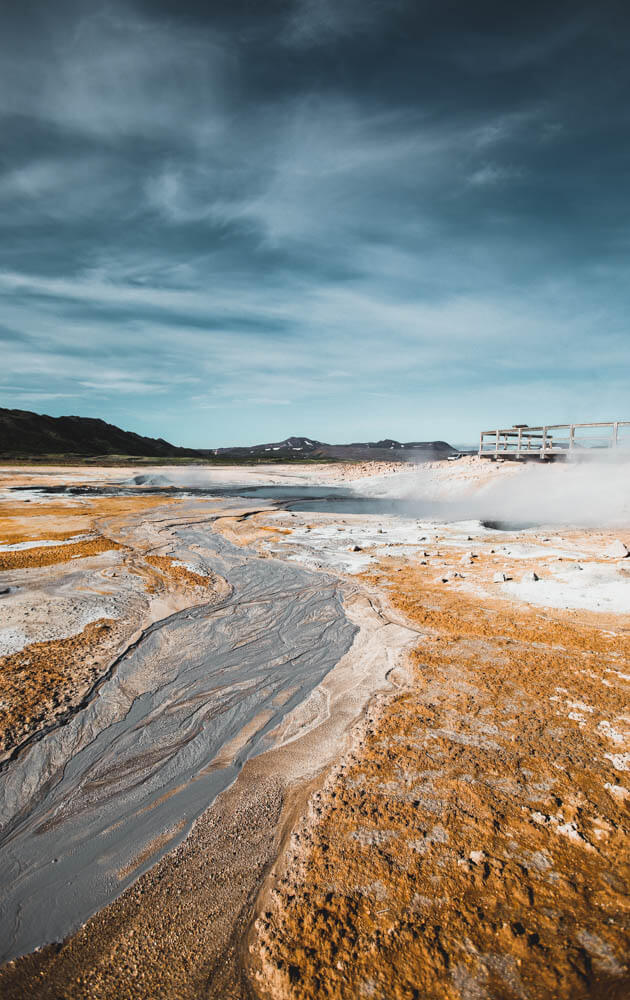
{"points": [[52, 554], [476, 843], [20, 523], [43, 681], [171, 570]]}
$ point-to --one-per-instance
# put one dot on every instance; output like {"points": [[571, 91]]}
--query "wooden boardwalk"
{"points": [[551, 441]]}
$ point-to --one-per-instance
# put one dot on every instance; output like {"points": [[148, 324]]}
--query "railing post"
{"points": [[520, 438], [615, 437], [496, 442], [480, 443], [544, 443], [571, 436]]}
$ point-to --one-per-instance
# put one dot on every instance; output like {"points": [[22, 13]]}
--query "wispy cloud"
{"points": [[491, 173], [319, 22], [364, 215]]}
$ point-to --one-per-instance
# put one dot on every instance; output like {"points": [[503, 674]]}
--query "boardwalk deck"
{"points": [[551, 441]]}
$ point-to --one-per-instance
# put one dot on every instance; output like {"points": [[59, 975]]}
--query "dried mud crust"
{"points": [[476, 843]]}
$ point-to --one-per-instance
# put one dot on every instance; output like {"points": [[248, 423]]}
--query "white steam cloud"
{"points": [[590, 493]]}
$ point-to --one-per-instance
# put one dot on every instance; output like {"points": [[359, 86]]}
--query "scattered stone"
{"points": [[617, 550], [530, 577], [500, 578], [355, 548]]}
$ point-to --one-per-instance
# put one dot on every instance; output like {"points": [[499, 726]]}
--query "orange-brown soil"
{"points": [[175, 933], [42, 681], [476, 842], [246, 529], [21, 522], [181, 575], [53, 554]]}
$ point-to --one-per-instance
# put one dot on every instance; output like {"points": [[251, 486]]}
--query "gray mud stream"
{"points": [[94, 803]]}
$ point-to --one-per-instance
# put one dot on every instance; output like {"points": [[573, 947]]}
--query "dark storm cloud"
{"points": [[362, 213]]}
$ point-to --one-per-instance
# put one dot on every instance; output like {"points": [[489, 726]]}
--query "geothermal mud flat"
{"points": [[471, 838], [82, 803]]}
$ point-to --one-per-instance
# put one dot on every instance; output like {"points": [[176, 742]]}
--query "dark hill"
{"points": [[23, 433]]}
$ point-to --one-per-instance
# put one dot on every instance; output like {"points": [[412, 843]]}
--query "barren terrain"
{"points": [[440, 812]]}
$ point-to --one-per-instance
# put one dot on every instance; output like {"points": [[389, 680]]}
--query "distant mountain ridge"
{"points": [[24, 433], [386, 450]]}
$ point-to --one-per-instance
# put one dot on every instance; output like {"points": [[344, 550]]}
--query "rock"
{"points": [[500, 578], [617, 550], [355, 548], [530, 577]]}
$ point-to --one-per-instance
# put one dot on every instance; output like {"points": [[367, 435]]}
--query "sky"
{"points": [[225, 223]]}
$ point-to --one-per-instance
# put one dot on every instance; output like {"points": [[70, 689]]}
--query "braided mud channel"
{"points": [[92, 804]]}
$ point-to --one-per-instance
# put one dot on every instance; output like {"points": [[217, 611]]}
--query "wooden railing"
{"points": [[553, 440]]}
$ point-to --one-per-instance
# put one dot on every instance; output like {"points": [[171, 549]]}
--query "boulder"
{"points": [[617, 550]]}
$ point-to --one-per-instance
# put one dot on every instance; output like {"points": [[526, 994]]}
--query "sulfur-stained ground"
{"points": [[476, 842], [73, 592]]}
